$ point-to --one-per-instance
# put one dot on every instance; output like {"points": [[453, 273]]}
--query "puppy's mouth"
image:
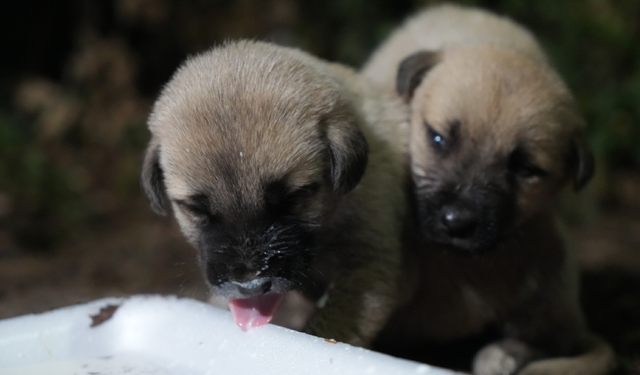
{"points": [[255, 311], [254, 303], [254, 273], [473, 245]]}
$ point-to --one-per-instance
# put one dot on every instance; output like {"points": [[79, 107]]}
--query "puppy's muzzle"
{"points": [[470, 221], [253, 288]]}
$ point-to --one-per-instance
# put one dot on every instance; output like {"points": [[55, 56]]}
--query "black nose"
{"points": [[254, 287], [458, 222], [247, 289]]}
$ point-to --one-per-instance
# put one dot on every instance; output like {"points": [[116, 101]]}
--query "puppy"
{"points": [[285, 173], [495, 135]]}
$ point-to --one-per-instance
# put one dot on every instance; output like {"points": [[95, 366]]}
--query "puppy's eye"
{"points": [[199, 212], [520, 166], [436, 139], [305, 191], [300, 194], [282, 201]]}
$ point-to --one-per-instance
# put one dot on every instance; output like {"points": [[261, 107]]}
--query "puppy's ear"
{"points": [[581, 163], [151, 178], [411, 71], [348, 151]]}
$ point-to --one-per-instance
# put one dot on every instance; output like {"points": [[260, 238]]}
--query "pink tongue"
{"points": [[255, 311]]}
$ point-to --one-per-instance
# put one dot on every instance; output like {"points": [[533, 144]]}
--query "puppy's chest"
{"points": [[457, 298], [448, 311]]}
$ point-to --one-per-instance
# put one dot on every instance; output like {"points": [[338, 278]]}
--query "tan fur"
{"points": [[446, 25], [244, 113], [490, 75]]}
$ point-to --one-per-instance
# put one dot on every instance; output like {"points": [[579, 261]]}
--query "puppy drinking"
{"points": [[495, 135], [285, 173]]}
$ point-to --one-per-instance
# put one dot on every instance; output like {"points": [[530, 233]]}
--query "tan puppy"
{"points": [[495, 135], [286, 173]]}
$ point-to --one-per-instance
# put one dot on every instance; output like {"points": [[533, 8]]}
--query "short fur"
{"points": [[495, 136], [285, 172]]}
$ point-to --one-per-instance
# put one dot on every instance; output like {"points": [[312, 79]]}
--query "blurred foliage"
{"points": [[34, 188], [82, 73]]}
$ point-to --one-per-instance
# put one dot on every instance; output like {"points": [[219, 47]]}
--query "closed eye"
{"points": [[304, 191], [282, 201], [521, 166], [198, 211]]}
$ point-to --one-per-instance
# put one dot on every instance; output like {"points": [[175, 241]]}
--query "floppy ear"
{"points": [[581, 164], [411, 71], [151, 178], [348, 151]]}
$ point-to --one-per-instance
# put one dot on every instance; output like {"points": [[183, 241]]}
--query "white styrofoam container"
{"points": [[174, 336]]}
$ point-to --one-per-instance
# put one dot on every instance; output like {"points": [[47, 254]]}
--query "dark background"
{"points": [[77, 78]]}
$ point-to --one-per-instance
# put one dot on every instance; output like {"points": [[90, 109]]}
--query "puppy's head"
{"points": [[494, 136], [255, 145]]}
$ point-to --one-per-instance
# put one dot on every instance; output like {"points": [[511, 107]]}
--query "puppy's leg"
{"points": [[548, 337], [358, 303], [597, 358], [516, 357]]}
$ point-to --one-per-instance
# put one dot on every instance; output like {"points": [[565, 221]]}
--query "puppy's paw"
{"points": [[494, 360], [505, 357]]}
